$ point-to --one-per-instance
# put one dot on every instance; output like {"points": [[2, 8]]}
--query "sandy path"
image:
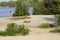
{"points": [[35, 34]]}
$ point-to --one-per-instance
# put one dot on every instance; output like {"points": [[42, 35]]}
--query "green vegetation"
{"points": [[57, 19], [37, 6], [41, 7], [10, 3], [45, 25], [25, 17], [56, 30], [21, 9], [14, 29], [48, 7]]}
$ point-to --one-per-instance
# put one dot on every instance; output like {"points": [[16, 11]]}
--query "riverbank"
{"points": [[35, 20], [35, 32]]}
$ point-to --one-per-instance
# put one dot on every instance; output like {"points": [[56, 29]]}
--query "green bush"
{"points": [[45, 25], [56, 30], [14, 29], [23, 30], [21, 9], [2, 33], [57, 19], [11, 29]]}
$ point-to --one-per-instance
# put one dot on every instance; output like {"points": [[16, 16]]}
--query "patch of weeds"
{"points": [[56, 30], [45, 25], [14, 29], [25, 17]]}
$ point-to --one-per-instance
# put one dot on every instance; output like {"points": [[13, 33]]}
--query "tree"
{"points": [[21, 9], [52, 6], [36, 7], [9, 3], [46, 7]]}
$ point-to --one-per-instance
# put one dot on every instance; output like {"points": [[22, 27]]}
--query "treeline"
{"points": [[9, 3], [47, 7], [44, 7]]}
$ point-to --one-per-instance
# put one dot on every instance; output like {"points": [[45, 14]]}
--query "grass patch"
{"points": [[18, 18], [25, 17], [56, 30], [45, 25], [14, 30]]}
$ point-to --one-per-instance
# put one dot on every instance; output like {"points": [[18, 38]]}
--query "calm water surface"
{"points": [[5, 11]]}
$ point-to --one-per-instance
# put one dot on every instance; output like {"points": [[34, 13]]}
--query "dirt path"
{"points": [[35, 34]]}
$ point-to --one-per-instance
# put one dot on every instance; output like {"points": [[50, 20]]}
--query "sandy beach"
{"points": [[35, 20], [35, 32]]}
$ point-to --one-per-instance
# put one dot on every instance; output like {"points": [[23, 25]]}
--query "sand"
{"points": [[35, 20], [35, 33]]}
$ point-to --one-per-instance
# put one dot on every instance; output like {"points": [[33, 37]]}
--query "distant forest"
{"points": [[9, 3], [44, 7]]}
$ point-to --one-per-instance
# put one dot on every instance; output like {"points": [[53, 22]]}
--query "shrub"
{"points": [[56, 30], [57, 19], [45, 25], [14, 29], [21, 9], [2, 33], [11, 29], [23, 30]]}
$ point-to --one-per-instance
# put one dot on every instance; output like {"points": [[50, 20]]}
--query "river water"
{"points": [[5, 11]]}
